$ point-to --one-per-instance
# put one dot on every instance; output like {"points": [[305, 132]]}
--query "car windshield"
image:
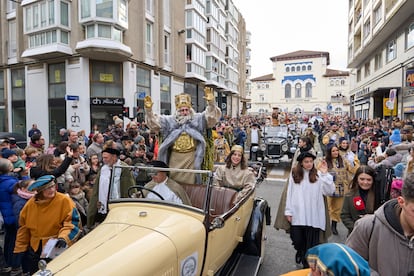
{"points": [[277, 131], [122, 187]]}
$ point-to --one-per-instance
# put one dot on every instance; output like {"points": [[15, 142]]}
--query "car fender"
{"points": [[252, 241]]}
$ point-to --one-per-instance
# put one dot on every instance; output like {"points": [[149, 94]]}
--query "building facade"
{"points": [[381, 58], [301, 83], [76, 64]]}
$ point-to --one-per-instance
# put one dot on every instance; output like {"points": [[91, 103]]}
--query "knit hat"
{"points": [[6, 153], [237, 148], [42, 183], [117, 120], [337, 259], [399, 170], [374, 144]]}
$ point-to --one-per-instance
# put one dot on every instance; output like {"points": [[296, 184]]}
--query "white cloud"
{"points": [[279, 27]]}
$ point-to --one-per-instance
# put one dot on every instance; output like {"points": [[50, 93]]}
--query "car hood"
{"points": [[276, 140], [134, 239]]}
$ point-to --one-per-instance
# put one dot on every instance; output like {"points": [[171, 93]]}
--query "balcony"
{"points": [[339, 99]]}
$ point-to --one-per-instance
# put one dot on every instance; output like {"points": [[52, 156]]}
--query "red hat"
{"points": [[374, 144]]}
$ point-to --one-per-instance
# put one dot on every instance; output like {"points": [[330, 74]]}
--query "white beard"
{"points": [[181, 120]]}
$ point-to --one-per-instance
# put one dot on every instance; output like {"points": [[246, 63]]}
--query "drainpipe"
{"points": [[402, 91]]}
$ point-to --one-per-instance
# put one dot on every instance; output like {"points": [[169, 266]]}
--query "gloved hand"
{"points": [[148, 102], [61, 243], [209, 94]]}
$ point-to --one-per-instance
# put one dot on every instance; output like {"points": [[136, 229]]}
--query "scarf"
{"points": [[24, 194], [305, 149]]}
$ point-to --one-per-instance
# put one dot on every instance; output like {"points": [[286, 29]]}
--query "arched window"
{"points": [[318, 110], [287, 69], [331, 82], [342, 82], [303, 67], [297, 111], [298, 68], [338, 111], [298, 90], [308, 88], [309, 67], [293, 68], [288, 91]]}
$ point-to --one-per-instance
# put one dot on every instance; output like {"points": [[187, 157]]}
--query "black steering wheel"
{"points": [[140, 188]]}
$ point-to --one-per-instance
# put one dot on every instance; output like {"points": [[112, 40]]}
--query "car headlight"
{"points": [[285, 147], [263, 147]]}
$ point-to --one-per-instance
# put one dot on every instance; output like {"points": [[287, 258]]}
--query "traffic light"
{"points": [[125, 111]]}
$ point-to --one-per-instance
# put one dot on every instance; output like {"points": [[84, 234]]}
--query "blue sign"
{"points": [[141, 95], [71, 98]]}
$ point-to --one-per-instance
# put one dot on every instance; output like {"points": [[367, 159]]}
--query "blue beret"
{"points": [[337, 259], [42, 183]]}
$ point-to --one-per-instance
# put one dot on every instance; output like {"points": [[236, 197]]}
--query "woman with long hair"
{"points": [[305, 204], [342, 171], [235, 173], [361, 198]]}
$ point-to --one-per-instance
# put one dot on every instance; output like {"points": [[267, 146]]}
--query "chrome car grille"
{"points": [[273, 149]]}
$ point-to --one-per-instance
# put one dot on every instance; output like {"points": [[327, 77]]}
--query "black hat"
{"points": [[305, 154], [112, 151], [159, 164]]}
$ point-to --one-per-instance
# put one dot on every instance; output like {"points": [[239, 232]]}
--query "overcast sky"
{"points": [[283, 26]]}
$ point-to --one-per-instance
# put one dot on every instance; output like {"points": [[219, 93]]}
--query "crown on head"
{"points": [[182, 100]]}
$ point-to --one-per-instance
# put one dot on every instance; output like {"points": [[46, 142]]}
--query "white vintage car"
{"points": [[141, 236]]}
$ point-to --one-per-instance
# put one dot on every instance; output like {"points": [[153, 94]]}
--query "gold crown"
{"points": [[182, 100], [237, 148]]}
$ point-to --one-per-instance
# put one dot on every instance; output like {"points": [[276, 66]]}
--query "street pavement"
{"points": [[280, 254]]}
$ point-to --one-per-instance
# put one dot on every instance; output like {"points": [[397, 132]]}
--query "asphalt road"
{"points": [[280, 255]]}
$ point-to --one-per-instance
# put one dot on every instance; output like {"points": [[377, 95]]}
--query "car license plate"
{"points": [[274, 161]]}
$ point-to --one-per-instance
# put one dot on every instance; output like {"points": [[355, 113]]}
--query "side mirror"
{"points": [[218, 222]]}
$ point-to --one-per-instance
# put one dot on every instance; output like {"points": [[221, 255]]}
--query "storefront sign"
{"points": [[409, 78], [409, 109], [107, 101], [106, 77], [362, 93]]}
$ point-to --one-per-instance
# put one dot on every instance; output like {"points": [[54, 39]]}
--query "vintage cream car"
{"points": [[140, 236]]}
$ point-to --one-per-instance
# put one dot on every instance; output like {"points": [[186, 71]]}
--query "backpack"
{"points": [[383, 179]]}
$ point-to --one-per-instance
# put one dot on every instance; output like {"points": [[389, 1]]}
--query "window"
{"points": [[18, 100], [367, 28], [303, 67], [143, 89], [167, 11], [308, 93], [64, 14], [12, 49], [378, 61], [318, 110], [57, 80], [297, 111], [288, 91], [338, 111], [261, 98], [104, 8], [391, 50], [165, 95], [167, 49], [331, 82], [298, 90], [298, 68], [287, 69], [309, 67], [358, 75], [377, 14], [2, 95], [410, 36], [148, 40], [342, 82], [293, 68], [11, 6], [149, 7], [106, 79]]}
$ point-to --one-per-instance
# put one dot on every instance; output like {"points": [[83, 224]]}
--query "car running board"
{"points": [[247, 265]]}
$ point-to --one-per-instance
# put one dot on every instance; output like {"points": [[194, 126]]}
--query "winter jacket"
{"points": [[380, 239], [7, 183], [395, 137], [388, 162]]}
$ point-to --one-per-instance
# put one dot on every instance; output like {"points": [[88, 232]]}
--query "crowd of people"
{"points": [[324, 189]]}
